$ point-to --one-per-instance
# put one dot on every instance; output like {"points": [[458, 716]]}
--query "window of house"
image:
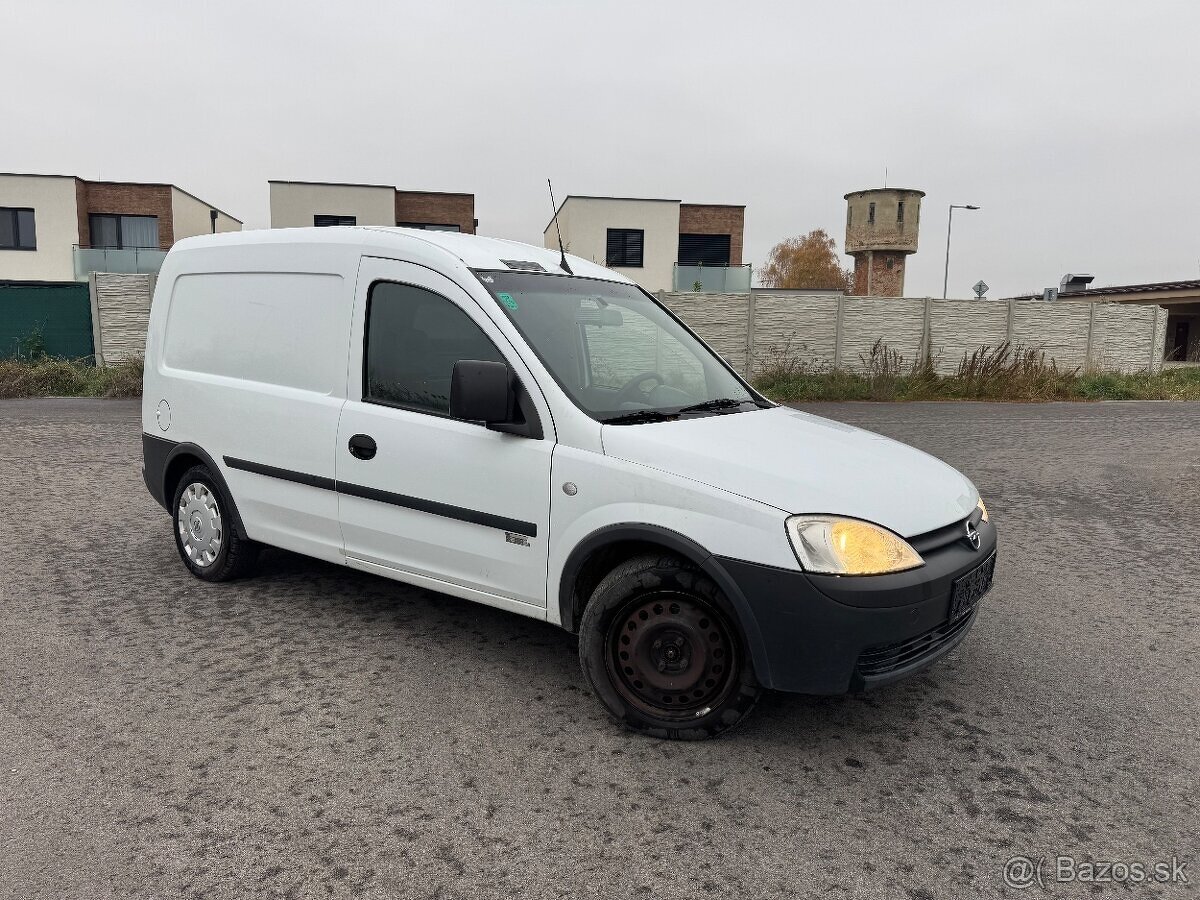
{"points": [[871, 214], [704, 249], [900, 213], [428, 226], [123, 232], [414, 338], [890, 262], [331, 221], [16, 229], [625, 247], [849, 216]]}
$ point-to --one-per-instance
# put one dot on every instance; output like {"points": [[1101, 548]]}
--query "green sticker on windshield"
{"points": [[508, 301]]}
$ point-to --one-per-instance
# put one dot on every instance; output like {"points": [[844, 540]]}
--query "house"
{"points": [[304, 204], [1181, 299], [61, 228], [663, 245]]}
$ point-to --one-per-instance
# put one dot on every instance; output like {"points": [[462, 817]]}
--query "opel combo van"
{"points": [[533, 431]]}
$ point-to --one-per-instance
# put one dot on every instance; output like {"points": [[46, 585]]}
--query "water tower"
{"points": [[881, 230]]}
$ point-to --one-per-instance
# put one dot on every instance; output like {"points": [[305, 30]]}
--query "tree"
{"points": [[810, 261]]}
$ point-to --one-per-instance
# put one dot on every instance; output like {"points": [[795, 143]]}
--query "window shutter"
{"points": [[704, 249]]}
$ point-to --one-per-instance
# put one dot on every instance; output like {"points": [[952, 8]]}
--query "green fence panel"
{"points": [[60, 312]]}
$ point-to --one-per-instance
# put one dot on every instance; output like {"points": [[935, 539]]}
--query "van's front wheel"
{"points": [[205, 536], [663, 651]]}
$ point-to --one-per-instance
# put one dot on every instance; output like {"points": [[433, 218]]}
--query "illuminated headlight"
{"points": [[837, 546], [982, 510]]}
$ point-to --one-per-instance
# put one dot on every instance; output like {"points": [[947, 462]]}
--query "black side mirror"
{"points": [[481, 391]]}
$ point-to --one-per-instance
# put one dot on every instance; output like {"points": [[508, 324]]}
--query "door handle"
{"points": [[362, 446]]}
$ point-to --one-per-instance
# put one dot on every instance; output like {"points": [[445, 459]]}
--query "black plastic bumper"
{"points": [[822, 634], [156, 452]]}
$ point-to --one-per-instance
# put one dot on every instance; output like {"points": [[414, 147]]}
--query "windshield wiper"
{"points": [[639, 416], [712, 405]]}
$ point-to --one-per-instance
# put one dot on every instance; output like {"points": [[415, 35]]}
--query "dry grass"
{"points": [[1005, 372], [47, 376]]}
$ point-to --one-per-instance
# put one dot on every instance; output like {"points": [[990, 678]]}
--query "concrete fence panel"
{"points": [[120, 315], [1060, 330], [958, 329], [721, 320], [900, 324], [803, 326]]}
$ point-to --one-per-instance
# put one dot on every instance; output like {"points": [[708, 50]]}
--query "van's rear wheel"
{"points": [[663, 651], [207, 542]]}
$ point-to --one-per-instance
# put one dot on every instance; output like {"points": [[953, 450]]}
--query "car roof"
{"points": [[474, 251]]}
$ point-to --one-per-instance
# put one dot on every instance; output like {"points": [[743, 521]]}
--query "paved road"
{"points": [[319, 732]]}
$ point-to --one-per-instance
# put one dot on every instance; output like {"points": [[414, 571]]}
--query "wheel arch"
{"points": [[597, 554], [176, 462]]}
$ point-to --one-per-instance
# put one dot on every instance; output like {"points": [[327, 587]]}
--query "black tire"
{"points": [[662, 649], [200, 511]]}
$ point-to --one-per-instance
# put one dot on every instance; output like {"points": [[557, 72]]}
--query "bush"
{"points": [[47, 376]]}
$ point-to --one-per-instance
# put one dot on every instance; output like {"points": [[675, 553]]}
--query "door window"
{"points": [[414, 338]]}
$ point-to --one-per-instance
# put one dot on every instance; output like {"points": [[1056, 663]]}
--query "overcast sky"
{"points": [[1074, 125]]}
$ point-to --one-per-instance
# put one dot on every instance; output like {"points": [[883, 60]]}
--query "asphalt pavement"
{"points": [[318, 732]]}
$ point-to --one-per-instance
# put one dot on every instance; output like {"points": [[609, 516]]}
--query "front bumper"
{"points": [[826, 634]]}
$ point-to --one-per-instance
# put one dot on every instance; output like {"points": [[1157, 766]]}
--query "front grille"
{"points": [[932, 541]]}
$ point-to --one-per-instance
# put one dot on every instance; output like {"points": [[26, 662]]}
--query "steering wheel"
{"points": [[629, 390]]}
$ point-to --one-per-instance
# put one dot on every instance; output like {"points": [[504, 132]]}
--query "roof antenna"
{"points": [[563, 253]]}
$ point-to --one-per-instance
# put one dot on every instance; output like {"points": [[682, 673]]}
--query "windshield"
{"points": [[620, 356]]}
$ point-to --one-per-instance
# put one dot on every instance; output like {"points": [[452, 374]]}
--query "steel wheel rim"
{"points": [[201, 529], [671, 655]]}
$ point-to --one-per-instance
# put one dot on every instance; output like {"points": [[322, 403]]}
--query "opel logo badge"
{"points": [[972, 536]]}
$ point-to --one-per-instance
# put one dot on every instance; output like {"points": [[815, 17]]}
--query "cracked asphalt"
{"points": [[317, 732]]}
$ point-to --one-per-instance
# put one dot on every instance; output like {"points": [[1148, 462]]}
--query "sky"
{"points": [[1075, 126]]}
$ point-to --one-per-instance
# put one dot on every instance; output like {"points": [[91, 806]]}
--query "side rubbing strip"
{"points": [[488, 520], [440, 509], [327, 484]]}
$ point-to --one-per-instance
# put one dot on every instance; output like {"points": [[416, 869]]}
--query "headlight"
{"points": [[836, 546], [983, 509]]}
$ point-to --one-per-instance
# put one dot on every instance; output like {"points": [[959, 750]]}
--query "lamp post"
{"points": [[949, 225]]}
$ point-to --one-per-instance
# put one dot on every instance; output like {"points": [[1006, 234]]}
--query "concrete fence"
{"points": [[120, 315], [750, 330]]}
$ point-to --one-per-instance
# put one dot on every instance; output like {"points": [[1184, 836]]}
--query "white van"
{"points": [[534, 432]]}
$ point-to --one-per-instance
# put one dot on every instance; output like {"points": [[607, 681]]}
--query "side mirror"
{"points": [[481, 391]]}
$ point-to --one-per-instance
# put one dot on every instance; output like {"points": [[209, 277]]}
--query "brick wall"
{"points": [[886, 274], [128, 200], [704, 218], [436, 209]]}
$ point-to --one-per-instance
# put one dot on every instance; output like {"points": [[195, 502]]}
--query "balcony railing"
{"points": [[132, 261], [713, 279]]}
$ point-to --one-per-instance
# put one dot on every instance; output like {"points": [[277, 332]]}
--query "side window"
{"points": [[414, 338]]}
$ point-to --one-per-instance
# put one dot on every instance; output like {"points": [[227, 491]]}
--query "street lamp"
{"points": [[949, 225]]}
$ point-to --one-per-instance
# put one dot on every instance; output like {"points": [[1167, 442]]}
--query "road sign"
{"points": [[981, 288]]}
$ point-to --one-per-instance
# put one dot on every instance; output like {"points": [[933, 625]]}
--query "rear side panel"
{"points": [[252, 367]]}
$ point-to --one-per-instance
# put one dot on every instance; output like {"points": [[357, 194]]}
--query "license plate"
{"points": [[970, 588]]}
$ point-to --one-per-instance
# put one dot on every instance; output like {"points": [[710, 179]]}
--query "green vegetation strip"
{"points": [[51, 377], [999, 373]]}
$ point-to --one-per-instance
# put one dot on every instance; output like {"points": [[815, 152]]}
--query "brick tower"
{"points": [[881, 230]]}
